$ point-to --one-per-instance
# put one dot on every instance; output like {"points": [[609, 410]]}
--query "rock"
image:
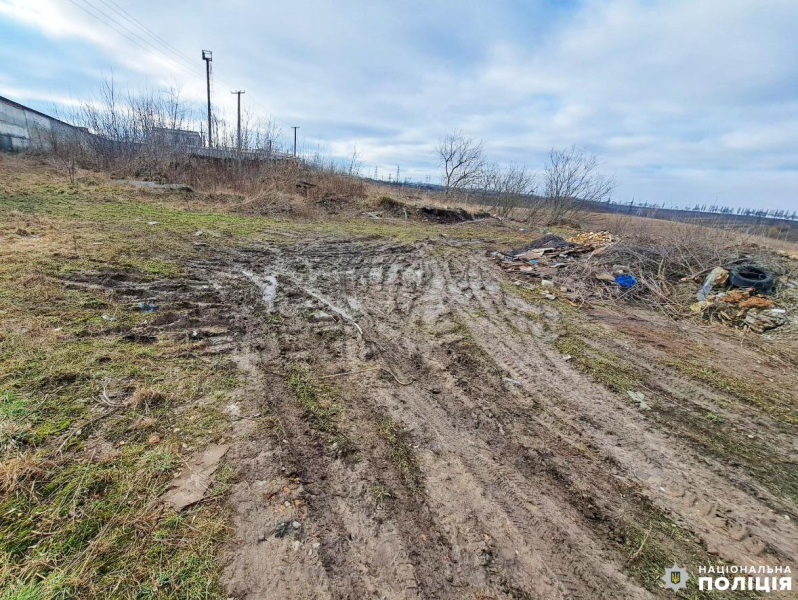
{"points": [[547, 283], [319, 316]]}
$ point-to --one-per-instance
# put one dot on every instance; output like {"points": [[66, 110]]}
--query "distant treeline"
{"points": [[781, 224]]}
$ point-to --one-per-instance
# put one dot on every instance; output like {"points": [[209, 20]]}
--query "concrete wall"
{"points": [[22, 128]]}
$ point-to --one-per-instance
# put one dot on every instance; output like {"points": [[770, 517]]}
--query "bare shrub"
{"points": [[504, 188], [571, 177], [660, 255], [65, 148]]}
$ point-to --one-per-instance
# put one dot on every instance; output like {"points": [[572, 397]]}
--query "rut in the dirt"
{"points": [[531, 479]]}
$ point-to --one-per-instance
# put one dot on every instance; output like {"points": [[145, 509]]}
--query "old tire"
{"points": [[751, 276]]}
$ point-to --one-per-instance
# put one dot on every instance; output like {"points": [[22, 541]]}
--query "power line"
{"points": [[130, 39], [180, 59], [184, 59], [185, 65], [143, 27]]}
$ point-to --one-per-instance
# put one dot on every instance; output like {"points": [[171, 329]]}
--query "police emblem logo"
{"points": [[675, 578]]}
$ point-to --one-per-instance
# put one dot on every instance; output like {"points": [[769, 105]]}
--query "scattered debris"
{"points": [[626, 281], [640, 398], [716, 278], [545, 256], [591, 238], [742, 307], [147, 306], [761, 321], [194, 480], [109, 318], [605, 276]]}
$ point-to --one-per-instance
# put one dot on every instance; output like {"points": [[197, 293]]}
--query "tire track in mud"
{"points": [[511, 493], [678, 481], [364, 554], [528, 475]]}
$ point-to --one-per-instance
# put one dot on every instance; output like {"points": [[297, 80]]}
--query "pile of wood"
{"points": [[545, 256]]}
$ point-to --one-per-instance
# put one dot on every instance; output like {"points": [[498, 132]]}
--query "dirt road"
{"points": [[466, 456]]}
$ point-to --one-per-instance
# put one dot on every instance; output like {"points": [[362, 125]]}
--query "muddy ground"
{"points": [[402, 418], [417, 426]]}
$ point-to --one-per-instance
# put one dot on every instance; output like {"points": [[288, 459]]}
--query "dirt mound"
{"points": [[438, 214], [547, 241]]}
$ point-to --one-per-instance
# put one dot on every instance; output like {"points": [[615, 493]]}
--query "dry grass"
{"points": [[145, 399], [78, 482], [23, 468]]}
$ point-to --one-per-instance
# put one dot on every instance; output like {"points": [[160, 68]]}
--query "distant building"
{"points": [[23, 128], [175, 137]]}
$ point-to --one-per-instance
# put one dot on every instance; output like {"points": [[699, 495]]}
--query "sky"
{"points": [[684, 101]]}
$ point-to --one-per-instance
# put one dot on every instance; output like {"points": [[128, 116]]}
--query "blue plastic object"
{"points": [[626, 281], [147, 306]]}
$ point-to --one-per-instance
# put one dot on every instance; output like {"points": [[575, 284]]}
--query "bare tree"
{"points": [[571, 178], [355, 164], [462, 160], [505, 187], [516, 182]]}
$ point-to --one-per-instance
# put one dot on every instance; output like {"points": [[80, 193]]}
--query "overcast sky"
{"points": [[685, 102]]}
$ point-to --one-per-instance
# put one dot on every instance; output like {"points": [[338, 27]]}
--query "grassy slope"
{"points": [[70, 525]]}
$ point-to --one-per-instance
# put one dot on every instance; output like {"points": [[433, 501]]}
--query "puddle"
{"points": [[267, 284]]}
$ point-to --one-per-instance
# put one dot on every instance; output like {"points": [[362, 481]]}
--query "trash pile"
{"points": [[737, 297], [545, 256], [597, 239]]}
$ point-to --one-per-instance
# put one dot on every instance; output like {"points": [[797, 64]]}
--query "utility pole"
{"points": [[207, 56], [294, 128], [238, 93]]}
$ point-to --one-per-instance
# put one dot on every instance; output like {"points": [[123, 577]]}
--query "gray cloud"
{"points": [[686, 101]]}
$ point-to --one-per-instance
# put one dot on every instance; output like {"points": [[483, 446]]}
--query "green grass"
{"points": [[402, 453], [604, 367], [778, 404], [74, 524], [322, 408]]}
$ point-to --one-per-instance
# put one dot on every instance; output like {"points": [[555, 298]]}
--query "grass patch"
{"points": [[602, 366], [655, 543], [402, 453], [774, 402], [322, 409], [78, 479]]}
